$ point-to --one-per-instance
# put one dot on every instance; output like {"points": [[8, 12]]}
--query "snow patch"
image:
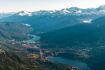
{"points": [[28, 25], [87, 21], [25, 13]]}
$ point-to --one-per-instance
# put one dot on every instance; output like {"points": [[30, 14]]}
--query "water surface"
{"points": [[76, 63]]}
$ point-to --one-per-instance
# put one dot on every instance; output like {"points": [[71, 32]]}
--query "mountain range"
{"points": [[45, 21]]}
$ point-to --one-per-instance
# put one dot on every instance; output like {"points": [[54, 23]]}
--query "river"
{"points": [[33, 39]]}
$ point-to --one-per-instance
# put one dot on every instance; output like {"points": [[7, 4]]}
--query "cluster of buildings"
{"points": [[41, 55], [23, 44]]}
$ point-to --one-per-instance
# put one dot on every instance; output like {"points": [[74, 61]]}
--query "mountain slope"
{"points": [[10, 30], [9, 60], [45, 21], [83, 39], [79, 35]]}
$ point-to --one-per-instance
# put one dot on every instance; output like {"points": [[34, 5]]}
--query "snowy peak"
{"points": [[65, 11], [72, 10], [89, 11], [101, 7], [25, 13]]}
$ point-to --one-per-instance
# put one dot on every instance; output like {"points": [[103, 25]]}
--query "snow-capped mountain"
{"points": [[25, 13], [75, 11], [67, 11], [44, 21], [89, 11]]}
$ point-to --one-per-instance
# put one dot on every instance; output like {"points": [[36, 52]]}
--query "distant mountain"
{"points": [[68, 11], [4, 15], [89, 11], [45, 21]]}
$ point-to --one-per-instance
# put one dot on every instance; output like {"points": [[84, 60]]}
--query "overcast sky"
{"points": [[34, 5]]}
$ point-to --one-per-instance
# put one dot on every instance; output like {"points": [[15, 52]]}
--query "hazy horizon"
{"points": [[36, 5]]}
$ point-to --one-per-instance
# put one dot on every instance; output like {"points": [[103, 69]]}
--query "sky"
{"points": [[35, 5]]}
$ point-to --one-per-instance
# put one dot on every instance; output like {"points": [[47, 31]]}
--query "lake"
{"points": [[76, 63]]}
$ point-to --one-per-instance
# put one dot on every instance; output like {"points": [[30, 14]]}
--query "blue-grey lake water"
{"points": [[76, 63]]}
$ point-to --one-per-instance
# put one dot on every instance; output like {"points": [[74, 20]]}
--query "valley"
{"points": [[67, 39]]}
